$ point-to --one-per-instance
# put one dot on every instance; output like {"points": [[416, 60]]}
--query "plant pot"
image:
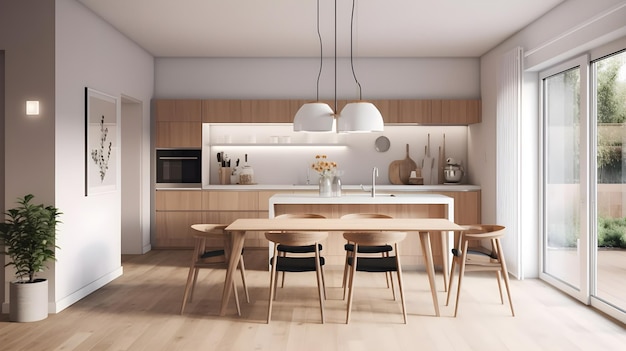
{"points": [[29, 301]]}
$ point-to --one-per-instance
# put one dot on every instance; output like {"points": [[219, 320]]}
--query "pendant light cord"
{"points": [[336, 112], [319, 36], [351, 48]]}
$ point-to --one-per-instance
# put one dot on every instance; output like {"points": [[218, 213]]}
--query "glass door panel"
{"points": [[563, 224], [609, 97]]}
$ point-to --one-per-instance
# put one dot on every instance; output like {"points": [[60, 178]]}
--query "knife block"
{"points": [[224, 175]]}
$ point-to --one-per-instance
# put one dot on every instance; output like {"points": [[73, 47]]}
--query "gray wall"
{"points": [[27, 30]]}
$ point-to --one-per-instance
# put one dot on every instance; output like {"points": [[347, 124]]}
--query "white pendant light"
{"points": [[315, 116], [360, 116]]}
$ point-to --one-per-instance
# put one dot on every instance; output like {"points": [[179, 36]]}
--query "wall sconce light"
{"points": [[32, 108]]}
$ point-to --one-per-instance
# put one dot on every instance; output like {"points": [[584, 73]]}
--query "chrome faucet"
{"points": [[374, 175]]}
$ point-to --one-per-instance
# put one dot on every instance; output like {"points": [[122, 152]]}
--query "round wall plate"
{"points": [[382, 144]]}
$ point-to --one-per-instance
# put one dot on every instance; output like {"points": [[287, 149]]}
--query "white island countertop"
{"points": [[365, 198]]}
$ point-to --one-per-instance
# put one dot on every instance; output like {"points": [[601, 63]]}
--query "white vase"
{"points": [[29, 301], [326, 186]]}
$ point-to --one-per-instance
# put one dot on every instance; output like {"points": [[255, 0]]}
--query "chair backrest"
{"points": [[296, 238], [207, 230], [299, 215], [364, 215], [483, 231], [374, 238]]}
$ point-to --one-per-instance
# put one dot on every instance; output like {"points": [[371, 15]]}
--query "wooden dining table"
{"points": [[423, 226]]}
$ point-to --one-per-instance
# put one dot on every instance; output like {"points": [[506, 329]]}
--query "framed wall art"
{"points": [[101, 142]]}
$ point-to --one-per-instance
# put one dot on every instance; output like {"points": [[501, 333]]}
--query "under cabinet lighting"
{"points": [[32, 108]]}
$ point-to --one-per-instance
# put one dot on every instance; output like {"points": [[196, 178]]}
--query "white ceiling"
{"points": [[287, 28]]}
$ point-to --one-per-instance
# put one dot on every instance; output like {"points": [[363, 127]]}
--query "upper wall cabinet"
{"points": [[249, 111], [428, 112], [456, 112], [178, 123]]}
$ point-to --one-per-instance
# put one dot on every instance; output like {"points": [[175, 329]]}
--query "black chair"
{"points": [[386, 264], [284, 250], [309, 263], [383, 250]]}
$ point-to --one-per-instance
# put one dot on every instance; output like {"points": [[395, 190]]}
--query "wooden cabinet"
{"points": [[178, 123], [181, 117], [434, 112], [175, 212], [455, 112], [221, 111], [267, 111]]}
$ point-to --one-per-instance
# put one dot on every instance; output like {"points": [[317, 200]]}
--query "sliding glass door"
{"points": [[584, 179], [608, 81], [564, 206]]}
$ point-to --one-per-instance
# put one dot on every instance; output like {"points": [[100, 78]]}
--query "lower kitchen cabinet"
{"points": [[177, 210]]}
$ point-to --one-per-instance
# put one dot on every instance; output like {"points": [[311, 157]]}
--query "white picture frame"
{"points": [[101, 142]]}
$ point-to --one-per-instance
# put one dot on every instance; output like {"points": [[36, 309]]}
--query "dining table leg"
{"points": [[430, 267], [445, 254], [237, 240]]}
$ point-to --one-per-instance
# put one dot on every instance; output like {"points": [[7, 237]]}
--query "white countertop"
{"points": [[364, 199], [351, 188]]}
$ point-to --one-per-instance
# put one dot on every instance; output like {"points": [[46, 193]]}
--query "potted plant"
{"points": [[28, 239]]}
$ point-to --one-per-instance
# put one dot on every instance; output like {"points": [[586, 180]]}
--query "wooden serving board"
{"points": [[406, 166], [400, 170], [394, 173]]}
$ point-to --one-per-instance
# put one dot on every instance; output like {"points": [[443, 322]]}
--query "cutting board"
{"points": [[400, 170]]}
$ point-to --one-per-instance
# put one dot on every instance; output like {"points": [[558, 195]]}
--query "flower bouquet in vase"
{"points": [[325, 169]]}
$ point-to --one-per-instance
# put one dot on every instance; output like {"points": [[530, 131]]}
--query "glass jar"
{"points": [[336, 186], [325, 186]]}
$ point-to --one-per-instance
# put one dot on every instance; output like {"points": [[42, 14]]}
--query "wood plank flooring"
{"points": [[140, 311]]}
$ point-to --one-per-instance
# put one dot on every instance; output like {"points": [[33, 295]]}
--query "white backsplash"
{"points": [[280, 156]]}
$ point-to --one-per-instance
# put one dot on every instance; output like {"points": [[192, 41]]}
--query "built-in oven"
{"points": [[178, 168]]}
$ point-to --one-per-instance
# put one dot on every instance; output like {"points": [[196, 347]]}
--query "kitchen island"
{"points": [[395, 205]]}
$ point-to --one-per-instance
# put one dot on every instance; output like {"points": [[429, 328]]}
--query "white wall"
{"points": [[295, 78], [90, 53], [565, 32]]}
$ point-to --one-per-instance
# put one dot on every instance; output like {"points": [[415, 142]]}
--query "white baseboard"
{"points": [[60, 305]]}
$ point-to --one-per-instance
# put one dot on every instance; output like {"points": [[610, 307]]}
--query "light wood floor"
{"points": [[140, 311]]}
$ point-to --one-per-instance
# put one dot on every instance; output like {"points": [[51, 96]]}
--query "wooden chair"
{"points": [[478, 259], [383, 250], [203, 258], [284, 250], [374, 264], [282, 263]]}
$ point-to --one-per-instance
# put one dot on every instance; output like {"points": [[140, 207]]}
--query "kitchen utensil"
{"points": [[382, 144], [406, 166], [246, 176], [452, 172], [394, 173], [442, 158], [427, 163]]}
